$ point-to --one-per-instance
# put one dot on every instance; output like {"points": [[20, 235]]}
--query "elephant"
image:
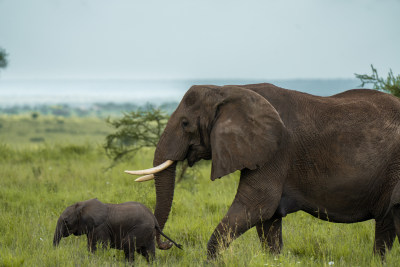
{"points": [[336, 158], [128, 226]]}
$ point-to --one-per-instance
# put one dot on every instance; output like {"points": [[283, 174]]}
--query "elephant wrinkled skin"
{"points": [[336, 158]]}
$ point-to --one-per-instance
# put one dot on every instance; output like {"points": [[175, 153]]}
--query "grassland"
{"points": [[48, 163]]}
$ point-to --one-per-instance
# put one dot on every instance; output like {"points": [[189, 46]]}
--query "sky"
{"points": [[209, 39]]}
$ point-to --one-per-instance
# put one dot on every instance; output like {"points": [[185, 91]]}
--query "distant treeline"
{"points": [[96, 109]]}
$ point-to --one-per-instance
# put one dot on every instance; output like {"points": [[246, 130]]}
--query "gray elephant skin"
{"points": [[128, 226], [336, 158]]}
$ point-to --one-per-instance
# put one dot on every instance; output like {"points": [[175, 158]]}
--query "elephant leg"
{"points": [[396, 220], [148, 250], [148, 253], [235, 223], [152, 250], [256, 200], [385, 234], [91, 242], [129, 249], [270, 234], [129, 253]]}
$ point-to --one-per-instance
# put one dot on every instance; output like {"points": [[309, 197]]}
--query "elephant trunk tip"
{"points": [[57, 239], [56, 242], [164, 245]]}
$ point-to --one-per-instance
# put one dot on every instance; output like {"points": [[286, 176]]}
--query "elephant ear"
{"points": [[246, 133], [93, 213]]}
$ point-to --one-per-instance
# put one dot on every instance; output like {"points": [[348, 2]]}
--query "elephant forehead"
{"points": [[68, 211], [204, 94], [190, 98]]}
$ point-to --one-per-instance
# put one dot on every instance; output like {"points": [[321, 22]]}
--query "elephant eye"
{"points": [[185, 123]]}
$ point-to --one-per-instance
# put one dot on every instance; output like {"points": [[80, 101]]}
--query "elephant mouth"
{"points": [[197, 153]]}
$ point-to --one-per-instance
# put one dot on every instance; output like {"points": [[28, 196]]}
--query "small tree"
{"points": [[135, 130], [3, 58], [391, 84]]}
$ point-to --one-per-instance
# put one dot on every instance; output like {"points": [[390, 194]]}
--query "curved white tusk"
{"points": [[156, 169], [145, 178]]}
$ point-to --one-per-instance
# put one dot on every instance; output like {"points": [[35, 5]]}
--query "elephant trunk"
{"points": [[59, 233], [165, 185]]}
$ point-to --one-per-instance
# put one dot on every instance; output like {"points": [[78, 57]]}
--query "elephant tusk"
{"points": [[145, 178], [156, 169]]}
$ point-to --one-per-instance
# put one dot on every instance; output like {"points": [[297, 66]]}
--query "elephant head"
{"points": [[235, 127], [79, 219]]}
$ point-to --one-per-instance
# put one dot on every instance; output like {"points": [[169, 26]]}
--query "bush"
{"points": [[390, 85], [136, 130]]}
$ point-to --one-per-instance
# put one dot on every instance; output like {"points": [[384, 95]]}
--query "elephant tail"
{"points": [[173, 242]]}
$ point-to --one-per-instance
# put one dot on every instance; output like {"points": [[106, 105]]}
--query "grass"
{"points": [[39, 180], [23, 130]]}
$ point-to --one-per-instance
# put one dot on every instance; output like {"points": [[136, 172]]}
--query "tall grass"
{"points": [[38, 182]]}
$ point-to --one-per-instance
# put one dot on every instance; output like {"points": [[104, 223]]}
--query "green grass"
{"points": [[39, 180], [23, 130]]}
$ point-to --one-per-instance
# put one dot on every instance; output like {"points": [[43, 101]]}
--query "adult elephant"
{"points": [[336, 158]]}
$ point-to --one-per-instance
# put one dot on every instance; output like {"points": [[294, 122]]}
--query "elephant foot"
{"points": [[270, 234], [274, 250], [212, 249], [129, 255], [211, 255]]}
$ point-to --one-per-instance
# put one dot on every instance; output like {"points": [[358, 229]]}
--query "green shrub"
{"points": [[134, 131], [390, 85]]}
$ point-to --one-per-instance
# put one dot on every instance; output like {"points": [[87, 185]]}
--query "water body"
{"points": [[87, 92]]}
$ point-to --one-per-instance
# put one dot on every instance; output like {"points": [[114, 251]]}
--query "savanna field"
{"points": [[48, 163]]}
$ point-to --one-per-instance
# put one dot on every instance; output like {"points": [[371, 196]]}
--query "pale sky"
{"points": [[219, 39]]}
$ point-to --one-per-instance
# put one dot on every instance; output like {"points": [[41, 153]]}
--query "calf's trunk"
{"points": [[59, 233]]}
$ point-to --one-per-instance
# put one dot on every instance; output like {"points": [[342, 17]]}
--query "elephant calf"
{"points": [[128, 226]]}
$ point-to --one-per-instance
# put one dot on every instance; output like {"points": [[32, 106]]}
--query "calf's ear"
{"points": [[92, 213]]}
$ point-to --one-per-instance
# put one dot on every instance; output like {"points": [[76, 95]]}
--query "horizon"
{"points": [[85, 92]]}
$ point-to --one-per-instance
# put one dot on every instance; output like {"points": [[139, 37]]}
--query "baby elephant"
{"points": [[128, 226]]}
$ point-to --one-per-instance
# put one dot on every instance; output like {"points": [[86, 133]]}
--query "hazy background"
{"points": [[125, 50]]}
